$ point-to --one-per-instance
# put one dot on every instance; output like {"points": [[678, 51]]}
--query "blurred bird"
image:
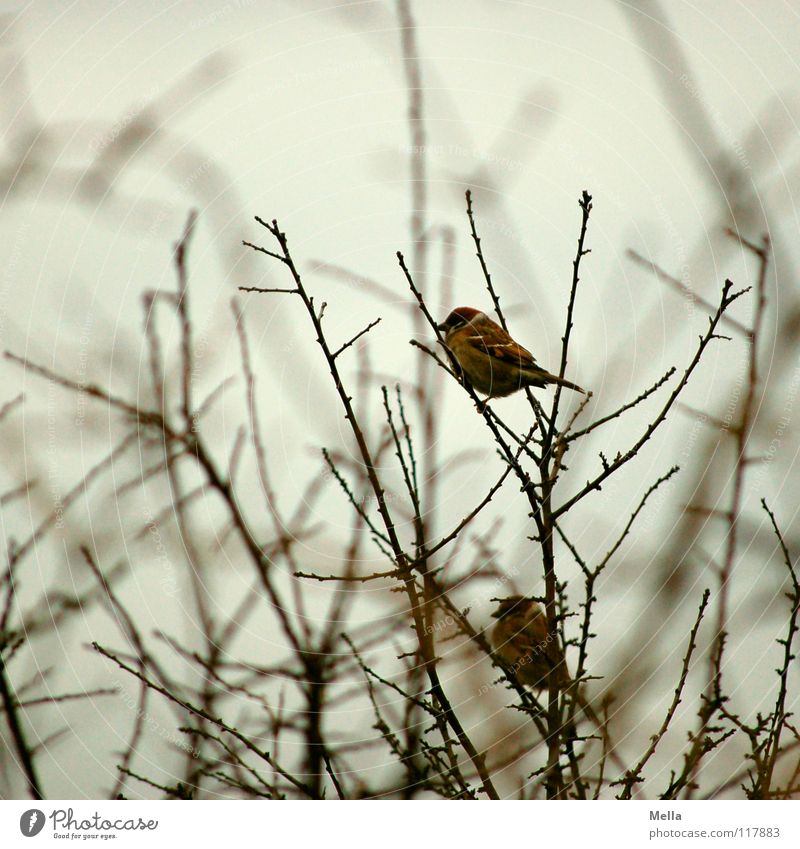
{"points": [[521, 640], [492, 361]]}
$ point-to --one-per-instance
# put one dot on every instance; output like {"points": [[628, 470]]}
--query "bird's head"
{"points": [[513, 605], [459, 317]]}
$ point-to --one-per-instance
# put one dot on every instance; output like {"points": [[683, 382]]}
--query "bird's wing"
{"points": [[527, 643], [531, 634], [502, 347]]}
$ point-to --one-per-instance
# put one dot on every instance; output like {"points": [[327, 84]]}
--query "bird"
{"points": [[491, 360], [521, 640]]}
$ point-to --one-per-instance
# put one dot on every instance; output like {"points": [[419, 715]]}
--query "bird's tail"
{"points": [[543, 378]]}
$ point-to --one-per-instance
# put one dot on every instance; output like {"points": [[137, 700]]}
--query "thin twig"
{"points": [[624, 408], [24, 752], [725, 301], [355, 338], [634, 775]]}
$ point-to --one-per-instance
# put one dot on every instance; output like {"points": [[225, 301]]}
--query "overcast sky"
{"points": [[120, 117]]}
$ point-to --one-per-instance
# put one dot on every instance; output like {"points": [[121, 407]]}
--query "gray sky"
{"points": [[119, 118]]}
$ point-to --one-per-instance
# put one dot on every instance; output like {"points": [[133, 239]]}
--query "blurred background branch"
{"points": [[164, 495]]}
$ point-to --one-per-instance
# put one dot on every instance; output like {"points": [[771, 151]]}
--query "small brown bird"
{"points": [[520, 639], [493, 362]]}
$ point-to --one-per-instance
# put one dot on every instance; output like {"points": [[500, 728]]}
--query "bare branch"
{"points": [[634, 775], [358, 335], [727, 298]]}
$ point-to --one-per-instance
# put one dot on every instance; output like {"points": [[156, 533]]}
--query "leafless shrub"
{"points": [[352, 661]]}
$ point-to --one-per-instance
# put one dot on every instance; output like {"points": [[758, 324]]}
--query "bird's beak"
{"points": [[442, 328], [497, 614]]}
